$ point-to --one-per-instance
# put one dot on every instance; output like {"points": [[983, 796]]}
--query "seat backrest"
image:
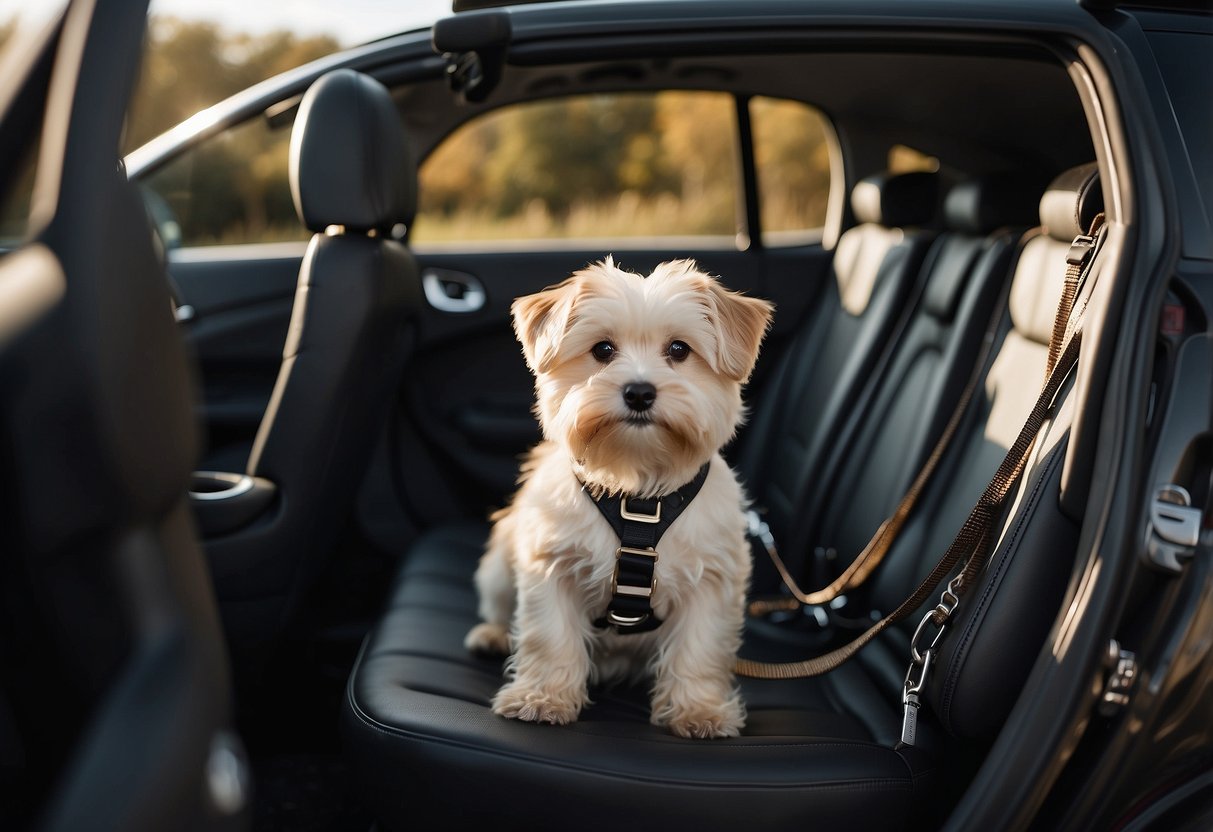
{"points": [[354, 181], [1001, 622], [964, 276], [812, 390]]}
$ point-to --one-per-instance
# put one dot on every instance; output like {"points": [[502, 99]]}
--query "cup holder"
{"points": [[225, 502], [218, 485]]}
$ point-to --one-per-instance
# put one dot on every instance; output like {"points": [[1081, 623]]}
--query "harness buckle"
{"points": [[626, 514], [627, 589], [625, 620]]}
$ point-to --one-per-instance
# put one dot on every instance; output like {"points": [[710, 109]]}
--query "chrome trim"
{"points": [[433, 282], [240, 484]]}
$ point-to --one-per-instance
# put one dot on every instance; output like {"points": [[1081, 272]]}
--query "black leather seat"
{"points": [[353, 180], [876, 265], [912, 396], [823, 750]]}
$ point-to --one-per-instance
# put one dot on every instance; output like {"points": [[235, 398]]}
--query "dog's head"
{"points": [[640, 378]]}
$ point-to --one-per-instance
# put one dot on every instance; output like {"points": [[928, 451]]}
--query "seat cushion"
{"points": [[427, 746]]}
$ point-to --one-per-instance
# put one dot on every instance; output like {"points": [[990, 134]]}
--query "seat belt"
{"points": [[971, 546]]}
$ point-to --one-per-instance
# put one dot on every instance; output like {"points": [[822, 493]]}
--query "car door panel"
{"points": [[240, 300]]}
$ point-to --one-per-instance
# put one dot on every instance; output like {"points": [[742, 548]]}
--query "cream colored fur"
{"points": [[547, 570]]}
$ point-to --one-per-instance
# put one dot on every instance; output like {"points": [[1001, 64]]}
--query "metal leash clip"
{"points": [[922, 659], [910, 702]]}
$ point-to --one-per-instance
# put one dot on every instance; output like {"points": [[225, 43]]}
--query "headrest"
{"points": [[1071, 203], [350, 164], [896, 199], [982, 205]]}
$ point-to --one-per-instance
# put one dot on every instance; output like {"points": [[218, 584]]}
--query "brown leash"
{"points": [[973, 542]]}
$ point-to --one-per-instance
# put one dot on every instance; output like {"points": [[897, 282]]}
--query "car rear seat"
{"points": [[898, 420], [428, 750], [876, 264]]}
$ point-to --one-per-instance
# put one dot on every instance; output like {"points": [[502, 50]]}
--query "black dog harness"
{"points": [[639, 525]]}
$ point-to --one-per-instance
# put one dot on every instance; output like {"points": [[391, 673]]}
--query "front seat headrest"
{"points": [[896, 199], [350, 164], [1071, 202]]}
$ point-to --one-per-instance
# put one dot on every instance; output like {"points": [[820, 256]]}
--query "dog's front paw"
{"points": [[488, 639], [535, 705], [708, 722]]}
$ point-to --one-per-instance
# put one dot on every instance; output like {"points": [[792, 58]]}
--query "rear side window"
{"points": [[636, 166], [793, 149]]}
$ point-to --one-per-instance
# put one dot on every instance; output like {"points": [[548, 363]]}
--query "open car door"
{"points": [[114, 699]]}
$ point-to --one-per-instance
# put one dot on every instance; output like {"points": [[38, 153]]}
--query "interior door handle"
{"points": [[451, 291]]}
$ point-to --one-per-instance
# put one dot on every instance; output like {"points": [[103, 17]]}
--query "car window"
{"points": [[648, 165], [232, 188], [903, 159], [15, 204], [23, 27], [793, 146]]}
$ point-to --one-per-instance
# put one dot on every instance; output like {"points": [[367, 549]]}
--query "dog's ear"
{"points": [[740, 323], [540, 321]]}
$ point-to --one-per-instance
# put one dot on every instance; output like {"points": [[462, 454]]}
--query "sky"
{"points": [[350, 21]]}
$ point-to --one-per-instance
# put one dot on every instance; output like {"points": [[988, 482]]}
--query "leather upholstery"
{"points": [[1071, 203], [857, 263], [980, 206], [350, 334], [350, 164], [417, 716], [932, 361], [817, 382], [422, 736], [896, 199]]}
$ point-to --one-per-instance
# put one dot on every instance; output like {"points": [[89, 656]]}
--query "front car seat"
{"points": [[354, 183]]}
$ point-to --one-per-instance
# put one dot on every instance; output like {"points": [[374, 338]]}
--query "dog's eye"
{"points": [[678, 351], [603, 351]]}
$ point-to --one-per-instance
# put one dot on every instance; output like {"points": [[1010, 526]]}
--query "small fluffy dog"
{"points": [[638, 382]]}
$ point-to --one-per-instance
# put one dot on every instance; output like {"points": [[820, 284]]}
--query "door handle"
{"points": [[451, 291]]}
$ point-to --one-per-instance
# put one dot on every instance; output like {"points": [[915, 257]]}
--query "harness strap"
{"points": [[639, 524], [972, 543]]}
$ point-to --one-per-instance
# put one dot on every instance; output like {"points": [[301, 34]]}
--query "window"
{"points": [[229, 189], [904, 159], [15, 205], [793, 145], [593, 166], [23, 29]]}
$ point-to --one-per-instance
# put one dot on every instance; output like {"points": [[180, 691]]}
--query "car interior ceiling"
{"points": [[977, 113]]}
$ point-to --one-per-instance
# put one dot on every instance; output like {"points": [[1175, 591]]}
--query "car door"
{"points": [[113, 687]]}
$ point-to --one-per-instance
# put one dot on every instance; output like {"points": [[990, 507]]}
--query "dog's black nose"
{"points": [[639, 395]]}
